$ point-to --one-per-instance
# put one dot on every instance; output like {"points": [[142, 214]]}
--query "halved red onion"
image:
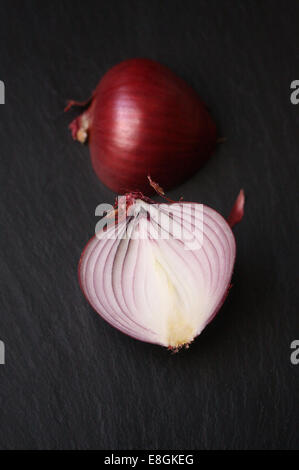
{"points": [[161, 272]]}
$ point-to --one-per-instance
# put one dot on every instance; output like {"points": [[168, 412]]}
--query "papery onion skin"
{"points": [[237, 212], [143, 119], [213, 262]]}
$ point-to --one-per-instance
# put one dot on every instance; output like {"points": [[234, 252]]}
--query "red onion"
{"points": [[143, 119], [160, 272]]}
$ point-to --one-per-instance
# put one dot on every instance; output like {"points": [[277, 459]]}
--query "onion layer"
{"points": [[161, 272], [142, 120]]}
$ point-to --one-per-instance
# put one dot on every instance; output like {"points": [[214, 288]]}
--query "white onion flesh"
{"points": [[160, 289]]}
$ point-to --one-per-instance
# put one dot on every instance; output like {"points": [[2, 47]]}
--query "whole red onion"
{"points": [[143, 119]]}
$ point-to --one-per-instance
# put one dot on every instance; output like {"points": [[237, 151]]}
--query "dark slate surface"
{"points": [[70, 380]]}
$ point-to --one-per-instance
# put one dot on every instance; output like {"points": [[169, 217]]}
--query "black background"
{"points": [[71, 381]]}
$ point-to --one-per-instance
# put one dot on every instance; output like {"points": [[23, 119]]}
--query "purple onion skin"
{"points": [[145, 120]]}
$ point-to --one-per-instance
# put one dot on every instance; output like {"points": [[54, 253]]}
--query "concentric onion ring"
{"points": [[160, 274]]}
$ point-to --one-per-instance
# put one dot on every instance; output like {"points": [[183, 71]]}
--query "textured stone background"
{"points": [[70, 380]]}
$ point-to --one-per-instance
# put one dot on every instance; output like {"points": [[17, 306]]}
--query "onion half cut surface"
{"points": [[161, 273]]}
